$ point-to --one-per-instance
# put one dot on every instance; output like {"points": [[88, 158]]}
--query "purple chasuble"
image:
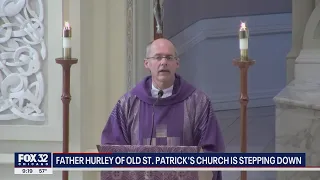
{"points": [[186, 118]]}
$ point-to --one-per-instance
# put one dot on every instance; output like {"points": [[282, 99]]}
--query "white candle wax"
{"points": [[243, 43], [66, 43]]}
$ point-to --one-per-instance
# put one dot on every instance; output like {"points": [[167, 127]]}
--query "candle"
{"points": [[66, 41], [243, 41], [243, 36], [66, 35]]}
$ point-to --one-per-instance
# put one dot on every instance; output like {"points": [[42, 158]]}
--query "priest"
{"points": [[164, 109]]}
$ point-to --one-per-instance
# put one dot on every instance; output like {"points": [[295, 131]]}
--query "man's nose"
{"points": [[164, 61]]}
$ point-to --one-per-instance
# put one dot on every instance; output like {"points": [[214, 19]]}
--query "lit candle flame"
{"points": [[66, 25], [243, 26]]}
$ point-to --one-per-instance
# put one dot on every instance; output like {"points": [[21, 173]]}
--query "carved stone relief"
{"points": [[311, 39], [317, 31], [22, 51]]}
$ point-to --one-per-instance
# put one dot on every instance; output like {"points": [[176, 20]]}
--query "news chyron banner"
{"points": [[46, 163]]}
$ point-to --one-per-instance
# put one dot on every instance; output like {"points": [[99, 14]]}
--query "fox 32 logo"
{"points": [[32, 159]]}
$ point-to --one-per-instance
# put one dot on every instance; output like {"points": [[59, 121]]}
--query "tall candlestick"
{"points": [[66, 98], [243, 42], [66, 42], [244, 100]]}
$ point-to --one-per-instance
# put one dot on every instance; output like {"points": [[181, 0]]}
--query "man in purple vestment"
{"points": [[164, 109]]}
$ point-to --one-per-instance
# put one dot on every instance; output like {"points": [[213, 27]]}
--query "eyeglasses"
{"points": [[159, 58]]}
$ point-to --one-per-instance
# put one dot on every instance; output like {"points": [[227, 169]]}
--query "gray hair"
{"points": [[148, 48]]}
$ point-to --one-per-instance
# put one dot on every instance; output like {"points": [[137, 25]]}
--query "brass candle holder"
{"points": [[66, 98], [244, 99], [243, 63], [66, 62]]}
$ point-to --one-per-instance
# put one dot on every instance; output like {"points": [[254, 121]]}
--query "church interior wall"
{"points": [[100, 41], [180, 14], [104, 39], [208, 46], [19, 134]]}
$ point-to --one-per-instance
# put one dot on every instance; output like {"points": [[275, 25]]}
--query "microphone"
{"points": [[160, 94]]}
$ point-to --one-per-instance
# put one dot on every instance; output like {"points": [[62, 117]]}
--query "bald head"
{"points": [[159, 44]]}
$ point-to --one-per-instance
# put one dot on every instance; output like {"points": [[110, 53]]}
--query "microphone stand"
{"points": [[160, 94]]}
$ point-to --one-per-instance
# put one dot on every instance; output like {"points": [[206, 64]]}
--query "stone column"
{"points": [[99, 78], [301, 11], [109, 40], [144, 35]]}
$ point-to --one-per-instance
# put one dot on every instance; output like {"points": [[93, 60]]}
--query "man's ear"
{"points": [[146, 64]]}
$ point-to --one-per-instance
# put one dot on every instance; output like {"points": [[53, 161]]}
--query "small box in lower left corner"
{"points": [[33, 163], [33, 171]]}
